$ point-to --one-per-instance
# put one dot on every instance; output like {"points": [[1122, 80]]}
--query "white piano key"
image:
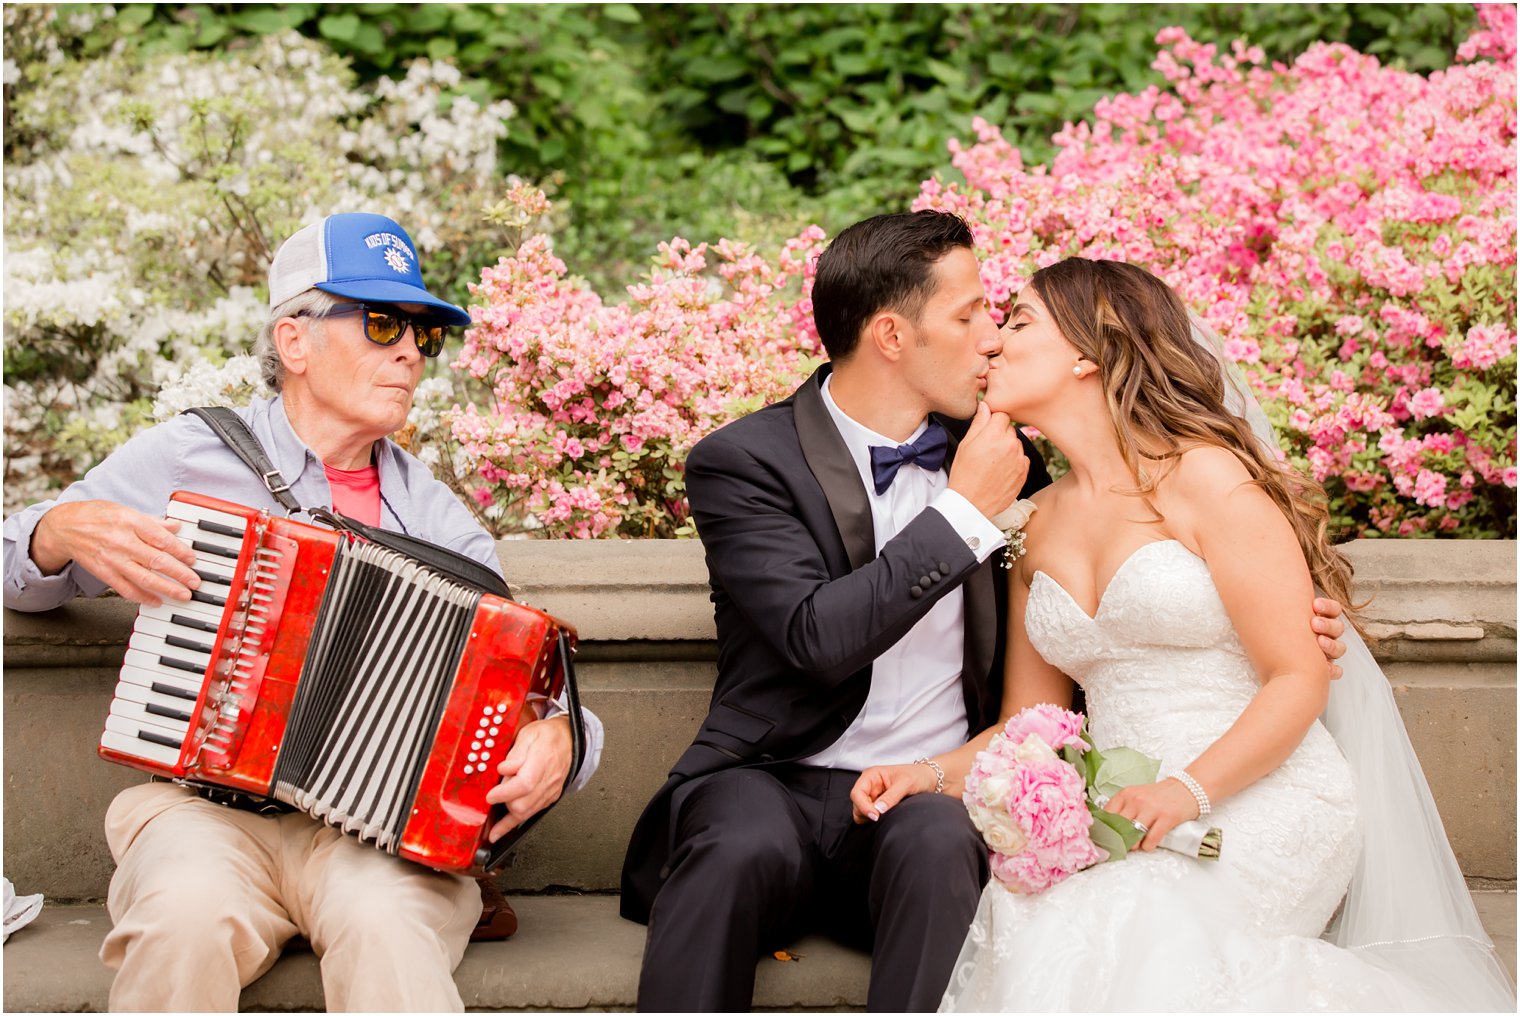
{"points": [[156, 645], [141, 729], [137, 748], [138, 712], [188, 512], [214, 544], [126, 691], [214, 564], [165, 629], [193, 608], [144, 670]]}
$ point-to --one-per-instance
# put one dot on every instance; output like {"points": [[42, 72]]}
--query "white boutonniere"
{"points": [[1011, 521]]}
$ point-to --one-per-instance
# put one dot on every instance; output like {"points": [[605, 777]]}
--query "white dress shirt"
{"points": [[915, 707]]}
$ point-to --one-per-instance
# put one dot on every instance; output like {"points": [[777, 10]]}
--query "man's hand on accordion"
{"points": [[135, 554], [533, 773]]}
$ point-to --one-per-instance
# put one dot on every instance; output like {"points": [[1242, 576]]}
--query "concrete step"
{"points": [[570, 953]]}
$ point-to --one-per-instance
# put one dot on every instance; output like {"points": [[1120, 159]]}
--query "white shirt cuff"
{"points": [[975, 529]]}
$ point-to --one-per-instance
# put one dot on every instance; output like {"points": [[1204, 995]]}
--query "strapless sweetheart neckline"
{"points": [[1112, 580]]}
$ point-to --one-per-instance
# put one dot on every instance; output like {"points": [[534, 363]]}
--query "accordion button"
{"points": [[495, 731], [475, 745], [473, 756], [501, 708], [485, 756], [468, 770], [490, 742]]}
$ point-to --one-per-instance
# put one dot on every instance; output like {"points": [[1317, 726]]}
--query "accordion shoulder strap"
{"points": [[232, 429]]}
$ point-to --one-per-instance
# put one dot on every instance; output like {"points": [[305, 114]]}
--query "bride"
{"points": [[1169, 575]]}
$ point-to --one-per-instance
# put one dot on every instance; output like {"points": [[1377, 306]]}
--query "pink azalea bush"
{"points": [[593, 406], [1349, 230]]}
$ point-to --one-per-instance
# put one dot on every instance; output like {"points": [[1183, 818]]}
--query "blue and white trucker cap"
{"points": [[358, 255]]}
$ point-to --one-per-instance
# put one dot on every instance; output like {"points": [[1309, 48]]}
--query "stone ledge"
{"points": [[573, 953]]}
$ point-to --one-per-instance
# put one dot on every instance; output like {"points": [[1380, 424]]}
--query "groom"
{"points": [[860, 610], [858, 605]]}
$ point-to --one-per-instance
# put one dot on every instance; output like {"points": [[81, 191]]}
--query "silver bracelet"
{"points": [[939, 773], [1185, 778]]}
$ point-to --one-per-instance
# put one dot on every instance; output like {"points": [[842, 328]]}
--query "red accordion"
{"points": [[340, 677]]}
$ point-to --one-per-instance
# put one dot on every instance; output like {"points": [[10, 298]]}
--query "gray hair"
{"points": [[315, 303]]}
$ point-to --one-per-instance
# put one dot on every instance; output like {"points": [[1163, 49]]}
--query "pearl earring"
{"points": [[1077, 371]]}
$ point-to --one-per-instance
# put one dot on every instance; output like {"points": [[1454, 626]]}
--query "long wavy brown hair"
{"points": [[1161, 383]]}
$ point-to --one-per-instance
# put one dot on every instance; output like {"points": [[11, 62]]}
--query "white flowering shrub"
{"points": [[144, 201]]}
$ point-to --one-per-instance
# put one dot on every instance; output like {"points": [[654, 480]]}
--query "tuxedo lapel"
{"points": [[834, 469], [980, 605]]}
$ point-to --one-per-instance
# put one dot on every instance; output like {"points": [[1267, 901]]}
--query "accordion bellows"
{"points": [[340, 677]]}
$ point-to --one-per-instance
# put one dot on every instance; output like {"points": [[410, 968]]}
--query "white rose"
{"points": [[993, 791], [1003, 834], [1015, 516], [1034, 749]]}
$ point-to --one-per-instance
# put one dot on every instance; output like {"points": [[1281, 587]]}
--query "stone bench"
{"points": [[1445, 612]]}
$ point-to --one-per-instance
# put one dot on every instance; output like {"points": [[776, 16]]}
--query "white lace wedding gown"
{"points": [[1164, 673]]}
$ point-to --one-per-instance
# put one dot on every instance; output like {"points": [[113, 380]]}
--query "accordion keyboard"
{"points": [[171, 644]]}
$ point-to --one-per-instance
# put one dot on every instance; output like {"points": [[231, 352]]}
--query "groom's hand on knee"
{"points": [[880, 787]]}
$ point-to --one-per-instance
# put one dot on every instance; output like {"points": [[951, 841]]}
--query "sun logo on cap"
{"points": [[397, 260]]}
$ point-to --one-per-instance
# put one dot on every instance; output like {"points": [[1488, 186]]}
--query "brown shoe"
{"points": [[497, 919]]}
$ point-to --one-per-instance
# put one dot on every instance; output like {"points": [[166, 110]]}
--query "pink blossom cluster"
{"points": [[1349, 230], [1030, 804], [594, 406]]}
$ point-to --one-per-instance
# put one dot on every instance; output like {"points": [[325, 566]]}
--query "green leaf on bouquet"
{"points": [[1074, 755], [1122, 827], [1107, 837], [1124, 767]]}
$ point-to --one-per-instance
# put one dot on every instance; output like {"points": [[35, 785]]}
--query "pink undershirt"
{"points": [[356, 492]]}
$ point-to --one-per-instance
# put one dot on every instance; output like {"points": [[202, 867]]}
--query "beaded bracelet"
{"points": [[939, 773], [1185, 778]]}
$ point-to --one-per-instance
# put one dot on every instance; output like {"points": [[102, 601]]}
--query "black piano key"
{"points": [[211, 548], [169, 689], [207, 576], [194, 668], [219, 529], [200, 596], [185, 621], [180, 642], [173, 714], [157, 738]]}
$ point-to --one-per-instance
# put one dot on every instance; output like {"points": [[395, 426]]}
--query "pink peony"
{"points": [[1055, 726]]}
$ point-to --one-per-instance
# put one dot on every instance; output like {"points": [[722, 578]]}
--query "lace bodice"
{"points": [[1164, 672]]}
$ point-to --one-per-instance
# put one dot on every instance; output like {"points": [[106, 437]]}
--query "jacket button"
{"points": [[944, 569], [935, 576], [915, 592]]}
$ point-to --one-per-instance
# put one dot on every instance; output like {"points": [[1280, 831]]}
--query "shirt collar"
{"points": [[859, 438]]}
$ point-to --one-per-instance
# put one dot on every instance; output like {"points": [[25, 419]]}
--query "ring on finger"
{"points": [[1139, 825]]}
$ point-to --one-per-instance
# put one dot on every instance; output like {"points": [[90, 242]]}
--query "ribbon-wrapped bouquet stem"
{"points": [[1037, 792]]}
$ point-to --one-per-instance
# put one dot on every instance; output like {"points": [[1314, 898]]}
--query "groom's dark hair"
{"points": [[883, 263]]}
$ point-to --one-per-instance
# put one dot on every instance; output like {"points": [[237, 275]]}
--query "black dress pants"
{"points": [[762, 856]]}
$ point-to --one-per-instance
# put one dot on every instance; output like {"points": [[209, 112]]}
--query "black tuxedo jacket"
{"points": [[804, 604]]}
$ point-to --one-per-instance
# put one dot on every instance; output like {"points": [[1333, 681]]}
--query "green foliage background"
{"points": [[753, 119]]}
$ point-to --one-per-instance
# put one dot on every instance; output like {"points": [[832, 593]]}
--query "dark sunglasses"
{"points": [[385, 326]]}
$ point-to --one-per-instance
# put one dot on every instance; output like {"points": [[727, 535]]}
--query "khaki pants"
{"points": [[205, 897]]}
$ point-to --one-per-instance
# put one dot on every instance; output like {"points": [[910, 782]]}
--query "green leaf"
{"points": [[339, 27], [262, 20], [1124, 767], [628, 14], [946, 74], [1108, 838], [1074, 756], [1118, 824], [721, 68], [440, 46]]}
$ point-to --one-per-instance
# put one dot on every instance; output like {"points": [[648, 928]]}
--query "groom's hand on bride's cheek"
{"points": [[1329, 627], [990, 465]]}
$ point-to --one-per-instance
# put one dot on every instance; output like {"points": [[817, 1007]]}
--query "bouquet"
{"points": [[1037, 794]]}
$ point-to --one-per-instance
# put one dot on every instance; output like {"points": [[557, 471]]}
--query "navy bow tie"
{"points": [[928, 452]]}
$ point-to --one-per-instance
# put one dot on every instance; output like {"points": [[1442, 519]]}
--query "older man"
{"points": [[205, 894]]}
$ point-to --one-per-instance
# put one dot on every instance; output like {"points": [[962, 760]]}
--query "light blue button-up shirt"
{"points": [[185, 454]]}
